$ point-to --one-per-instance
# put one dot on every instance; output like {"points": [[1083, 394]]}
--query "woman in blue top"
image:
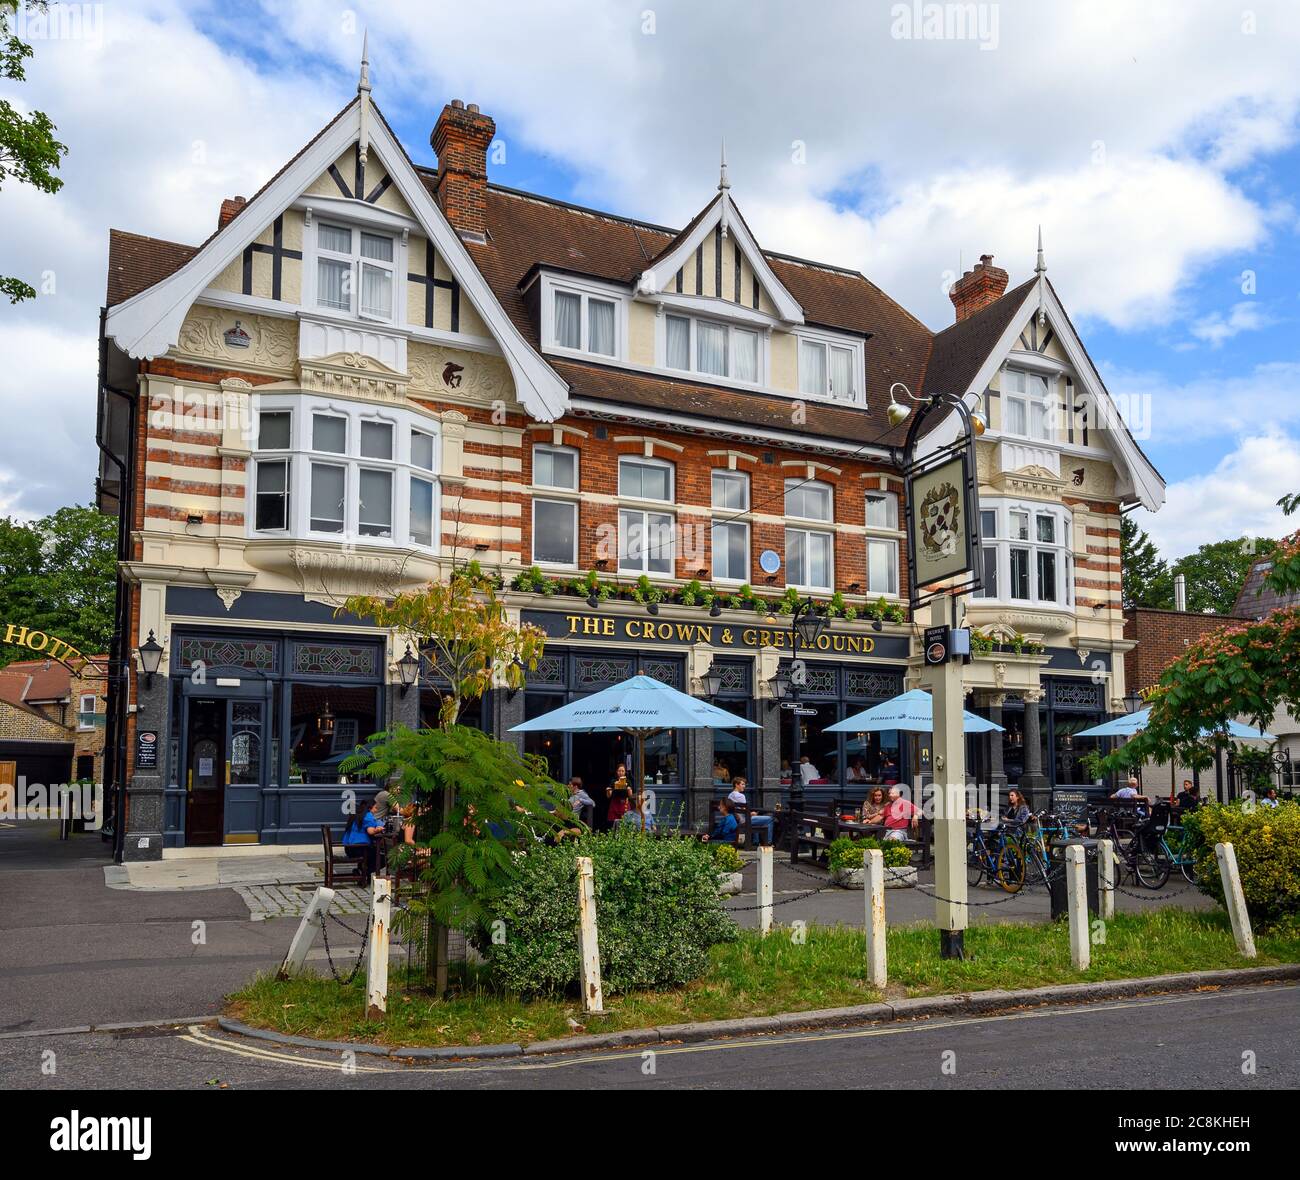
{"points": [[359, 837], [725, 827]]}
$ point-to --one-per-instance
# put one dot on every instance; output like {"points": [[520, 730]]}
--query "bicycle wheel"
{"points": [[1152, 869], [974, 869], [1011, 868], [1187, 865], [1036, 868]]}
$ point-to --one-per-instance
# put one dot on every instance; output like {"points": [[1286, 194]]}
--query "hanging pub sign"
{"points": [[942, 519]]}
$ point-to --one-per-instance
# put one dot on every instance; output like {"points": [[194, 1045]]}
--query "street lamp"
{"points": [[409, 669], [1133, 701], [711, 682], [150, 653]]}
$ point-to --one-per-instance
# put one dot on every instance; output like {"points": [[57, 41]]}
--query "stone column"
{"points": [[144, 808], [997, 771], [1034, 782], [698, 773], [768, 742]]}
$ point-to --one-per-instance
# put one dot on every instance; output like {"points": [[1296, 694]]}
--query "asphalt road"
{"points": [[1184, 1042]]}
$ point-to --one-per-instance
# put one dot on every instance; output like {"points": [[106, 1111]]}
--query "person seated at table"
{"points": [[638, 817], [807, 771], [720, 772], [1017, 811], [873, 810], [900, 815], [858, 771], [1129, 790], [785, 770], [580, 803], [360, 842], [726, 825], [761, 824], [1189, 798], [888, 771], [1270, 798]]}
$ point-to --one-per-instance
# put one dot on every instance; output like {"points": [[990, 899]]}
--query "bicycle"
{"points": [[1179, 846], [1144, 857], [1001, 861], [1035, 838]]}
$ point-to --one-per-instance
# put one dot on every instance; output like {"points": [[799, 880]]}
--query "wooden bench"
{"points": [[338, 866], [813, 829], [745, 828]]}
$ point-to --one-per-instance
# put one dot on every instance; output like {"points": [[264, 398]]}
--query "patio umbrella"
{"points": [[911, 711], [1134, 723], [641, 706]]}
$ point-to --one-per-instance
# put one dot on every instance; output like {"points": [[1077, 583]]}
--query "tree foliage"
{"points": [[501, 802], [1246, 670], [29, 151], [463, 628], [57, 575], [1216, 571], [1147, 579]]}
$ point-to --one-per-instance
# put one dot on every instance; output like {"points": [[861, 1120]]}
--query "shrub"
{"points": [[847, 853], [727, 858], [1267, 843], [657, 909]]}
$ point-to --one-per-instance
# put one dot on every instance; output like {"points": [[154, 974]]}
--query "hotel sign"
{"points": [[44, 644], [604, 627]]}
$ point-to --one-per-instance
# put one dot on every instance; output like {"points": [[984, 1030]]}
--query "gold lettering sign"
{"points": [[47, 645]]}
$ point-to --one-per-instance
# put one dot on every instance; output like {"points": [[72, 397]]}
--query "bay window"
{"points": [[355, 270], [645, 537], [1024, 553], [730, 537], [555, 521], [711, 348], [809, 553], [344, 470]]}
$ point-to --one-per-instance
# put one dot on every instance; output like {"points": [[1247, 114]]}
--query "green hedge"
{"points": [[1267, 843], [847, 853], [657, 908]]}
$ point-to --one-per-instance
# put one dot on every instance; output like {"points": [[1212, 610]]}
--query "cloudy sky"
{"points": [[1156, 144]]}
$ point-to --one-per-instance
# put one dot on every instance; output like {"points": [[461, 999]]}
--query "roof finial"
{"points": [[723, 182], [363, 92], [1041, 268]]}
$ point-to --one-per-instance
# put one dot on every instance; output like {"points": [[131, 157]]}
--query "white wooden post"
{"points": [[377, 962], [317, 909], [1106, 877], [592, 999], [873, 889], [1076, 891], [764, 888], [1235, 898]]}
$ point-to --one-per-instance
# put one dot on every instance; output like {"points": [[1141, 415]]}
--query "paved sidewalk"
{"points": [[216, 872], [291, 901]]}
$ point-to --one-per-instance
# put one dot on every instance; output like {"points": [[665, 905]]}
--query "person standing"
{"points": [[619, 794]]}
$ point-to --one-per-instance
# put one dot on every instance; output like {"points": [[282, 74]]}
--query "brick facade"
{"points": [[1162, 637]]}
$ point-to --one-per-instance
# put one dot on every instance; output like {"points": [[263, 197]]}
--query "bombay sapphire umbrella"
{"points": [[641, 706], [1133, 723], [911, 711]]}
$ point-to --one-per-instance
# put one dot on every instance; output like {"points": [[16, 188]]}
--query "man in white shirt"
{"points": [[807, 771]]}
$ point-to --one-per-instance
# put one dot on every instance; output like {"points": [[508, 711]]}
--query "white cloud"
{"points": [[1238, 498], [1215, 328]]}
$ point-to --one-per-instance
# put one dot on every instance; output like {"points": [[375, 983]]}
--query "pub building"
{"points": [[373, 372]]}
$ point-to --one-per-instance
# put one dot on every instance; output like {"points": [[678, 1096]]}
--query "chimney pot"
{"points": [[978, 287]]}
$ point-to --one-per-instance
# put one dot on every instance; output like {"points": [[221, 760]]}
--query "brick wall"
{"points": [[1162, 637]]}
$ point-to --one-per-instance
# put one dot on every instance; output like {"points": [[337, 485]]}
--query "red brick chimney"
{"points": [[229, 207], [978, 287], [461, 139]]}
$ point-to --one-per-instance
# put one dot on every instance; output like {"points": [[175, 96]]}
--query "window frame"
{"points": [[355, 260], [1030, 401], [828, 340], [806, 533], [549, 563], [82, 711], [732, 329], [648, 461], [1007, 542], [557, 449], [301, 458], [794, 484], [585, 290]]}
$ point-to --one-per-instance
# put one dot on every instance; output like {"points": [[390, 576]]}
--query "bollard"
{"points": [[1235, 900], [592, 1000], [317, 909], [764, 889], [873, 889], [1076, 890], [377, 962], [1106, 878]]}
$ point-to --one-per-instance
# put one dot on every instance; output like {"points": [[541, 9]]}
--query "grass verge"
{"points": [[760, 977]]}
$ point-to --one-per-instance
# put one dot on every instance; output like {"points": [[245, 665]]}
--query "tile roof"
{"points": [[1256, 598], [526, 231], [41, 680]]}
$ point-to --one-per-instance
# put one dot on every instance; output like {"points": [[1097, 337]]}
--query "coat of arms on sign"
{"points": [[451, 374], [236, 337], [940, 523]]}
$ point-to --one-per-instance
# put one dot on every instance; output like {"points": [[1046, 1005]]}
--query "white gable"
{"points": [[148, 324]]}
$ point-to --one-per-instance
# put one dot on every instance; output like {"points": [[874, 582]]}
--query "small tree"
{"points": [[1241, 671], [461, 627]]}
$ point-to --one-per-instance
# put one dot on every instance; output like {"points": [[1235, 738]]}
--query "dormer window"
{"points": [[830, 367], [582, 317], [355, 270], [712, 349], [1025, 410]]}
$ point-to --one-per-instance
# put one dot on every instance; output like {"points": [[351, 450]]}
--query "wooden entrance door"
{"points": [[205, 772], [8, 787]]}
